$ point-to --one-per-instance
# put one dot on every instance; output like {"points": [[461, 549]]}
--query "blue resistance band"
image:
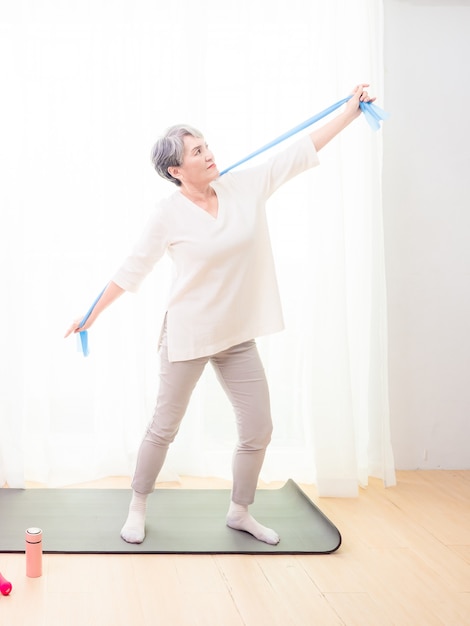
{"points": [[84, 333], [373, 114]]}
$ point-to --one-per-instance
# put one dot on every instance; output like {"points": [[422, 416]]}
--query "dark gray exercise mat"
{"points": [[179, 521]]}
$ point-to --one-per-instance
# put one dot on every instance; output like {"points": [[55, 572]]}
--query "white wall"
{"points": [[427, 230]]}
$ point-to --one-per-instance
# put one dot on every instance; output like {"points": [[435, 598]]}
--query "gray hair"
{"points": [[169, 150]]}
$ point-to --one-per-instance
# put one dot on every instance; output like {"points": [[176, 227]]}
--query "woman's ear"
{"points": [[173, 171]]}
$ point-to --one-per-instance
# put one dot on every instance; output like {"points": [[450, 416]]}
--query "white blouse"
{"points": [[224, 290]]}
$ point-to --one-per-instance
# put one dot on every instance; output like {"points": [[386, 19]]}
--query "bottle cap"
{"points": [[33, 535]]}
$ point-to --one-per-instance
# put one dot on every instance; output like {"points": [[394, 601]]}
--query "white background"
{"points": [[427, 230]]}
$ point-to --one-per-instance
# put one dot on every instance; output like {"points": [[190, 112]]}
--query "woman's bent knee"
{"points": [[257, 440]]}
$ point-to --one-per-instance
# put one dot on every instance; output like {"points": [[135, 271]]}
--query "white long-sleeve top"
{"points": [[224, 290]]}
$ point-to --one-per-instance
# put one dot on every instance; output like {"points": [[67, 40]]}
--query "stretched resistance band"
{"points": [[373, 114]]}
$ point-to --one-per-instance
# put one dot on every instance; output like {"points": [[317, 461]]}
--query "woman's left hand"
{"points": [[359, 94], [323, 135]]}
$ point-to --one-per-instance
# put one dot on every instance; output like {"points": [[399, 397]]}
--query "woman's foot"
{"points": [[239, 519], [133, 530]]}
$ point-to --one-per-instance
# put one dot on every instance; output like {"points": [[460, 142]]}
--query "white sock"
{"points": [[239, 519], [133, 530]]}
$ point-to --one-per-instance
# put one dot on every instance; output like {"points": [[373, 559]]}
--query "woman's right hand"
{"points": [[75, 327], [109, 294]]}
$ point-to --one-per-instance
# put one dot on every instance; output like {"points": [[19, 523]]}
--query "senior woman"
{"points": [[223, 296]]}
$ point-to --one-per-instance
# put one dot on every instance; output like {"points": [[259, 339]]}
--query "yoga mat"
{"points": [[179, 521]]}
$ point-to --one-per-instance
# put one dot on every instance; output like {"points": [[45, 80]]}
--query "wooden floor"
{"points": [[405, 560]]}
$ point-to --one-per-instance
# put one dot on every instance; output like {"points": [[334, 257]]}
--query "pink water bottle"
{"points": [[33, 552]]}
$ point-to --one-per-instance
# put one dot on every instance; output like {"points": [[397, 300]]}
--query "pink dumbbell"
{"points": [[5, 586]]}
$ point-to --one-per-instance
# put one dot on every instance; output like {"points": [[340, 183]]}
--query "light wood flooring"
{"points": [[405, 560]]}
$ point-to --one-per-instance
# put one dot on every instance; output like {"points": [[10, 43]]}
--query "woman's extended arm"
{"points": [[328, 131], [109, 295]]}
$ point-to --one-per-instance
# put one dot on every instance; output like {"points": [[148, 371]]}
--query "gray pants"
{"points": [[241, 374]]}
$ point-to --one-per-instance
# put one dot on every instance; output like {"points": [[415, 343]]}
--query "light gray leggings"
{"points": [[241, 374]]}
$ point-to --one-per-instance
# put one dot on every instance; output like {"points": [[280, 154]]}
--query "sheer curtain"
{"points": [[90, 86]]}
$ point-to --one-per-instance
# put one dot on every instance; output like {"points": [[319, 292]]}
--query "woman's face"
{"points": [[198, 167]]}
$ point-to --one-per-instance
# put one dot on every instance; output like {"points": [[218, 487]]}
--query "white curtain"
{"points": [[87, 88]]}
